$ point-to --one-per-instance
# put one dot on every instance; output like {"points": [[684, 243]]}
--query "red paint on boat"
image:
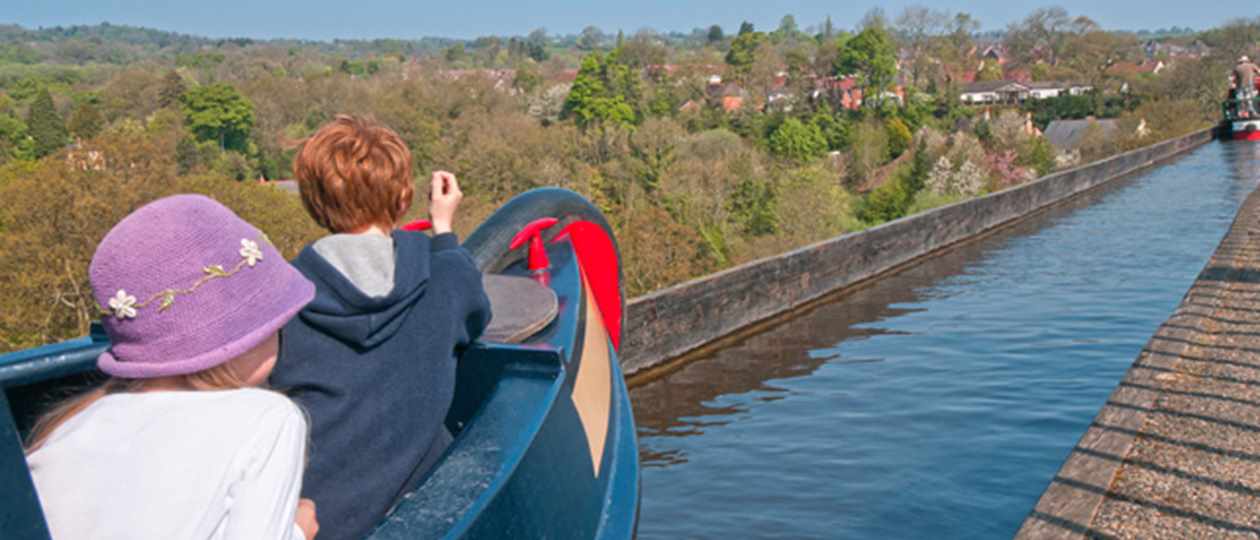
{"points": [[1244, 135], [532, 233], [597, 256]]}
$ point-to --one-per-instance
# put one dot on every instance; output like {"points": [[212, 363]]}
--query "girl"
{"points": [[176, 444]]}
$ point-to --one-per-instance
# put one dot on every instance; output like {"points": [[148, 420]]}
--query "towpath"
{"points": [[1175, 452]]}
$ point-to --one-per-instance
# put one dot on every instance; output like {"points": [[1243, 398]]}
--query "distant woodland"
{"points": [[705, 148]]}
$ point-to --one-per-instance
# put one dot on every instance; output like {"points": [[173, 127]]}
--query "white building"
{"points": [[988, 92]]}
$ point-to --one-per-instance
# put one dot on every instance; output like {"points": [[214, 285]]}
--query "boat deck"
{"points": [[1175, 452]]}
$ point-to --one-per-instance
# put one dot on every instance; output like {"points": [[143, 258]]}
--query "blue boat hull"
{"points": [[545, 440]]}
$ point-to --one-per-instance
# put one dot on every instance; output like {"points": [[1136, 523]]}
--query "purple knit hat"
{"points": [[187, 285]]}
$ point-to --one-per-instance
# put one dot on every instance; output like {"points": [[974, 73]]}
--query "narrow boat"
{"points": [[1241, 123], [544, 434]]}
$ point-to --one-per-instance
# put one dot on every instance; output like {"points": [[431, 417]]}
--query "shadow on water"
{"points": [[938, 401], [680, 405]]}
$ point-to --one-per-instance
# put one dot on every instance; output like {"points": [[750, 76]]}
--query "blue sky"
{"points": [[326, 19]]}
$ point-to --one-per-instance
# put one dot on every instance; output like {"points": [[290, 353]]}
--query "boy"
{"points": [[372, 358]]}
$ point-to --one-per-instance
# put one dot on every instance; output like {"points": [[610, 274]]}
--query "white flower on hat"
{"points": [[250, 251], [123, 305]]}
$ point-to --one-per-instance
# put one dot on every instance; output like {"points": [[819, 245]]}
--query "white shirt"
{"points": [[213, 465]]}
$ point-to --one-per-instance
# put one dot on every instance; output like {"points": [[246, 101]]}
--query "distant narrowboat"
{"points": [[1241, 120]]}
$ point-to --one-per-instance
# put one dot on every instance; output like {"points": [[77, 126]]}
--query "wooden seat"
{"points": [[521, 307]]}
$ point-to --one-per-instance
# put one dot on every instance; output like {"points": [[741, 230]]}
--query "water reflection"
{"points": [[937, 402], [684, 403]]}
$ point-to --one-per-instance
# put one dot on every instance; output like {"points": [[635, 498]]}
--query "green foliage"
{"points": [[990, 71], [218, 112], [86, 120], [359, 68], [594, 99], [926, 200], [743, 51], [200, 60], [899, 136], [836, 130], [868, 149], [872, 56], [527, 78], [753, 208], [19, 53], [45, 125], [714, 34], [885, 203], [894, 199], [1065, 107], [798, 141], [984, 132], [172, 90], [536, 45], [15, 143], [455, 53], [1037, 154]]}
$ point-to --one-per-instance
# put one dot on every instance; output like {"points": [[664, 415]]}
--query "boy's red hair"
{"points": [[354, 173]]}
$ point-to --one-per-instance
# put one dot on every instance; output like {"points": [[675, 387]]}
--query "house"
{"points": [[990, 92], [730, 96], [995, 52], [1067, 135], [841, 92]]}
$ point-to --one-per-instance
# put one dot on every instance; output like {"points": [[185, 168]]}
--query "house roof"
{"points": [[1016, 86], [1068, 134], [993, 86]]}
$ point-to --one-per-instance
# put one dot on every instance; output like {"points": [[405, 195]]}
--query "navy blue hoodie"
{"points": [[376, 372]]}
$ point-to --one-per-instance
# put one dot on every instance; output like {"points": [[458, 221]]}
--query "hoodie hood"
{"points": [[342, 308]]}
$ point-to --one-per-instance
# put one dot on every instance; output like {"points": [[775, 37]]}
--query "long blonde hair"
{"points": [[220, 377]]}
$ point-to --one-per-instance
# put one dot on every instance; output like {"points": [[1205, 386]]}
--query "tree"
{"points": [[743, 51], [746, 28], [899, 136], [788, 28], [591, 38], [86, 120], [961, 28], [45, 125], [917, 26], [835, 129], [989, 71], [218, 112], [642, 50], [872, 56], [536, 45], [1091, 53], [455, 53], [1041, 35], [14, 141], [874, 18], [753, 207], [796, 141], [715, 34], [527, 78], [594, 99], [172, 90]]}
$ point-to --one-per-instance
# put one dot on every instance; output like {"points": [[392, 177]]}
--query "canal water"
{"points": [[937, 402]]}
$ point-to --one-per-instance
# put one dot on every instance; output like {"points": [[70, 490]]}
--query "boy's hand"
{"points": [[306, 518], [443, 201]]}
